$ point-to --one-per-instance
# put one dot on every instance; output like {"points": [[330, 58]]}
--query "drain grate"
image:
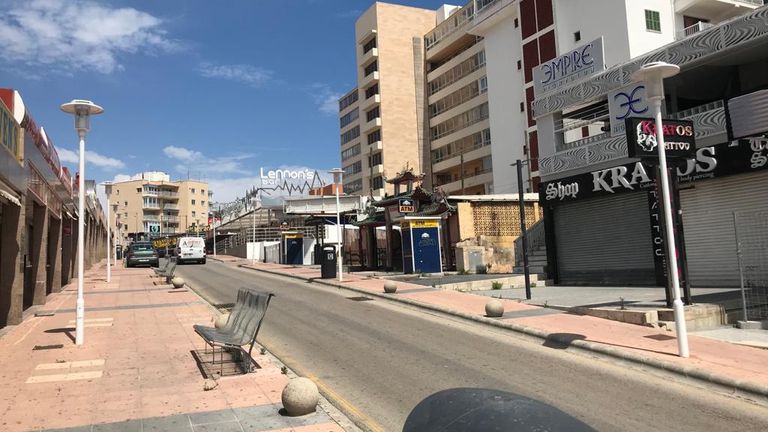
{"points": [[359, 298], [47, 347]]}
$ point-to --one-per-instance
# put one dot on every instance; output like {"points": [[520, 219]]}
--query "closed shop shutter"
{"points": [[710, 239], [605, 241]]}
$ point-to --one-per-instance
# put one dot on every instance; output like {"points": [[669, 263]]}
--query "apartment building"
{"points": [[459, 135], [381, 120], [150, 203]]}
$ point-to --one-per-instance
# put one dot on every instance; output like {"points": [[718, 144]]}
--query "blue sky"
{"points": [[209, 89]]}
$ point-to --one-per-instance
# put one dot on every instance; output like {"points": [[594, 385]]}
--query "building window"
{"points": [[202, 203], [372, 114], [522, 106], [193, 202], [577, 36], [371, 91], [374, 136], [348, 100], [457, 72], [519, 65], [371, 44], [350, 152], [350, 135], [374, 160], [371, 68], [202, 191], [192, 190], [353, 169], [354, 186], [652, 21], [483, 84], [517, 23], [126, 203], [377, 183], [193, 213], [453, 124], [349, 118], [125, 214], [117, 191], [458, 97]]}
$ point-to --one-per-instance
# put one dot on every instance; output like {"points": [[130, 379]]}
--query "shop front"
{"points": [[605, 228]]}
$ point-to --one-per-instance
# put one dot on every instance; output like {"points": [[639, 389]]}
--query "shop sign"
{"points": [[679, 138], [406, 206], [422, 223], [624, 103], [736, 157], [569, 67], [154, 228]]}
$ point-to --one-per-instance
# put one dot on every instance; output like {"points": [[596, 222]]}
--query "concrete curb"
{"points": [[733, 386]]}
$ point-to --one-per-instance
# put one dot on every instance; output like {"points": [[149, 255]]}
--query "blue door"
{"points": [[426, 250], [294, 251]]}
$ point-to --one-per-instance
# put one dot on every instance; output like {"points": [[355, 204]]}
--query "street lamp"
{"points": [[653, 74], [108, 190], [337, 172], [82, 110]]}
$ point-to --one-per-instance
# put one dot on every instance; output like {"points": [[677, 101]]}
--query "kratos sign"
{"points": [[679, 138]]}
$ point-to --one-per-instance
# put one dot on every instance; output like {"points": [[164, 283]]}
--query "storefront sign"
{"points": [[624, 103], [657, 237], [569, 67], [679, 138], [421, 223], [406, 206]]}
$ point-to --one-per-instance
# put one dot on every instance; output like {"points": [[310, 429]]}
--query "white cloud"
{"points": [[181, 153], [242, 73], [121, 178], [74, 35], [91, 158], [327, 100]]}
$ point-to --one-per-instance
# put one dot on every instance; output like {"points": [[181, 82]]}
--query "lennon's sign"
{"points": [[569, 67], [280, 176]]}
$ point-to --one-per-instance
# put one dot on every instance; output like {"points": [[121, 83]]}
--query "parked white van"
{"points": [[190, 249]]}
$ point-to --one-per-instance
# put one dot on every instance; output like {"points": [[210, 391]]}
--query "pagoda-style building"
{"points": [[409, 200]]}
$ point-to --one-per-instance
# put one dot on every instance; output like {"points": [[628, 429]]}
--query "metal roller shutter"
{"points": [[605, 241], [710, 240]]}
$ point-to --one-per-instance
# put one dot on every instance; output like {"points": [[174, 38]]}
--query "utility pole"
{"points": [[523, 236]]}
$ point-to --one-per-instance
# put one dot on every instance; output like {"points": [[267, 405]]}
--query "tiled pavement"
{"points": [[737, 367], [135, 371]]}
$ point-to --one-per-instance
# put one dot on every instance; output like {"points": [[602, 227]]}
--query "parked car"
{"points": [[190, 249], [141, 253]]}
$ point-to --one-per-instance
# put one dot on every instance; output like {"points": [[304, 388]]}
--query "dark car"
{"points": [[141, 253]]}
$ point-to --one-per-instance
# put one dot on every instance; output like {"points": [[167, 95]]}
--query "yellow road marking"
{"points": [[369, 422]]}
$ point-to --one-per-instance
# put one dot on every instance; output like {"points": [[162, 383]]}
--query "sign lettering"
{"points": [[679, 137], [569, 67]]}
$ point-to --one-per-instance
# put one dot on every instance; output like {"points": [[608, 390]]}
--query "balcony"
{"points": [[479, 152], [490, 13], [151, 218], [369, 102], [152, 206], [688, 31], [369, 126], [376, 146], [173, 207], [471, 180], [170, 219], [715, 10], [369, 79], [168, 194], [377, 169], [368, 56]]}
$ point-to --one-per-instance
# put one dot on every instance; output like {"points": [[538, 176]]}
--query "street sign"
{"points": [[679, 138], [406, 206]]}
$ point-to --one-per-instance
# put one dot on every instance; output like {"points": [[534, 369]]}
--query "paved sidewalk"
{"points": [[136, 370], [739, 369]]}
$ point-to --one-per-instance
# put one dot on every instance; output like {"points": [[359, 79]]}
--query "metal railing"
{"points": [[535, 239], [691, 30], [451, 24], [751, 229], [170, 206], [697, 110]]}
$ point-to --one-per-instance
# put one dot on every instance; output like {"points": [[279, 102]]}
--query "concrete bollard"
{"points": [[494, 308], [177, 282], [221, 321], [300, 397], [390, 287]]}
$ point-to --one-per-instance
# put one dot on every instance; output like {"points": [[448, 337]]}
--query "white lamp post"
{"points": [[82, 109], [653, 74], [108, 190], [337, 172]]}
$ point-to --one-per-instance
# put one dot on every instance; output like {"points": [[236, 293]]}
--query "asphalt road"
{"points": [[380, 359]]}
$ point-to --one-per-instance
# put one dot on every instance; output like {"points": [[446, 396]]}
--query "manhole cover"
{"points": [[359, 298], [47, 347]]}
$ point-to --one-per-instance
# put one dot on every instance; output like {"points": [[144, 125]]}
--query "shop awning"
{"points": [[8, 196]]}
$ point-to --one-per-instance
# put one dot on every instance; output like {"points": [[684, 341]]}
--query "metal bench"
{"points": [[167, 271], [160, 271], [241, 328]]}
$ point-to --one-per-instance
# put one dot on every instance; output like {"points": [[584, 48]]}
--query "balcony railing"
{"points": [[451, 24], [168, 194], [698, 27], [151, 206], [170, 206]]}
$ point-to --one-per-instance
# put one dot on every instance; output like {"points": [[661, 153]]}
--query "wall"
{"points": [[641, 40], [505, 93], [594, 18]]}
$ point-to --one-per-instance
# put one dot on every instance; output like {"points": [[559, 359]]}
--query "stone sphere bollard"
{"points": [[221, 321], [300, 397], [390, 287], [177, 282], [494, 308]]}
